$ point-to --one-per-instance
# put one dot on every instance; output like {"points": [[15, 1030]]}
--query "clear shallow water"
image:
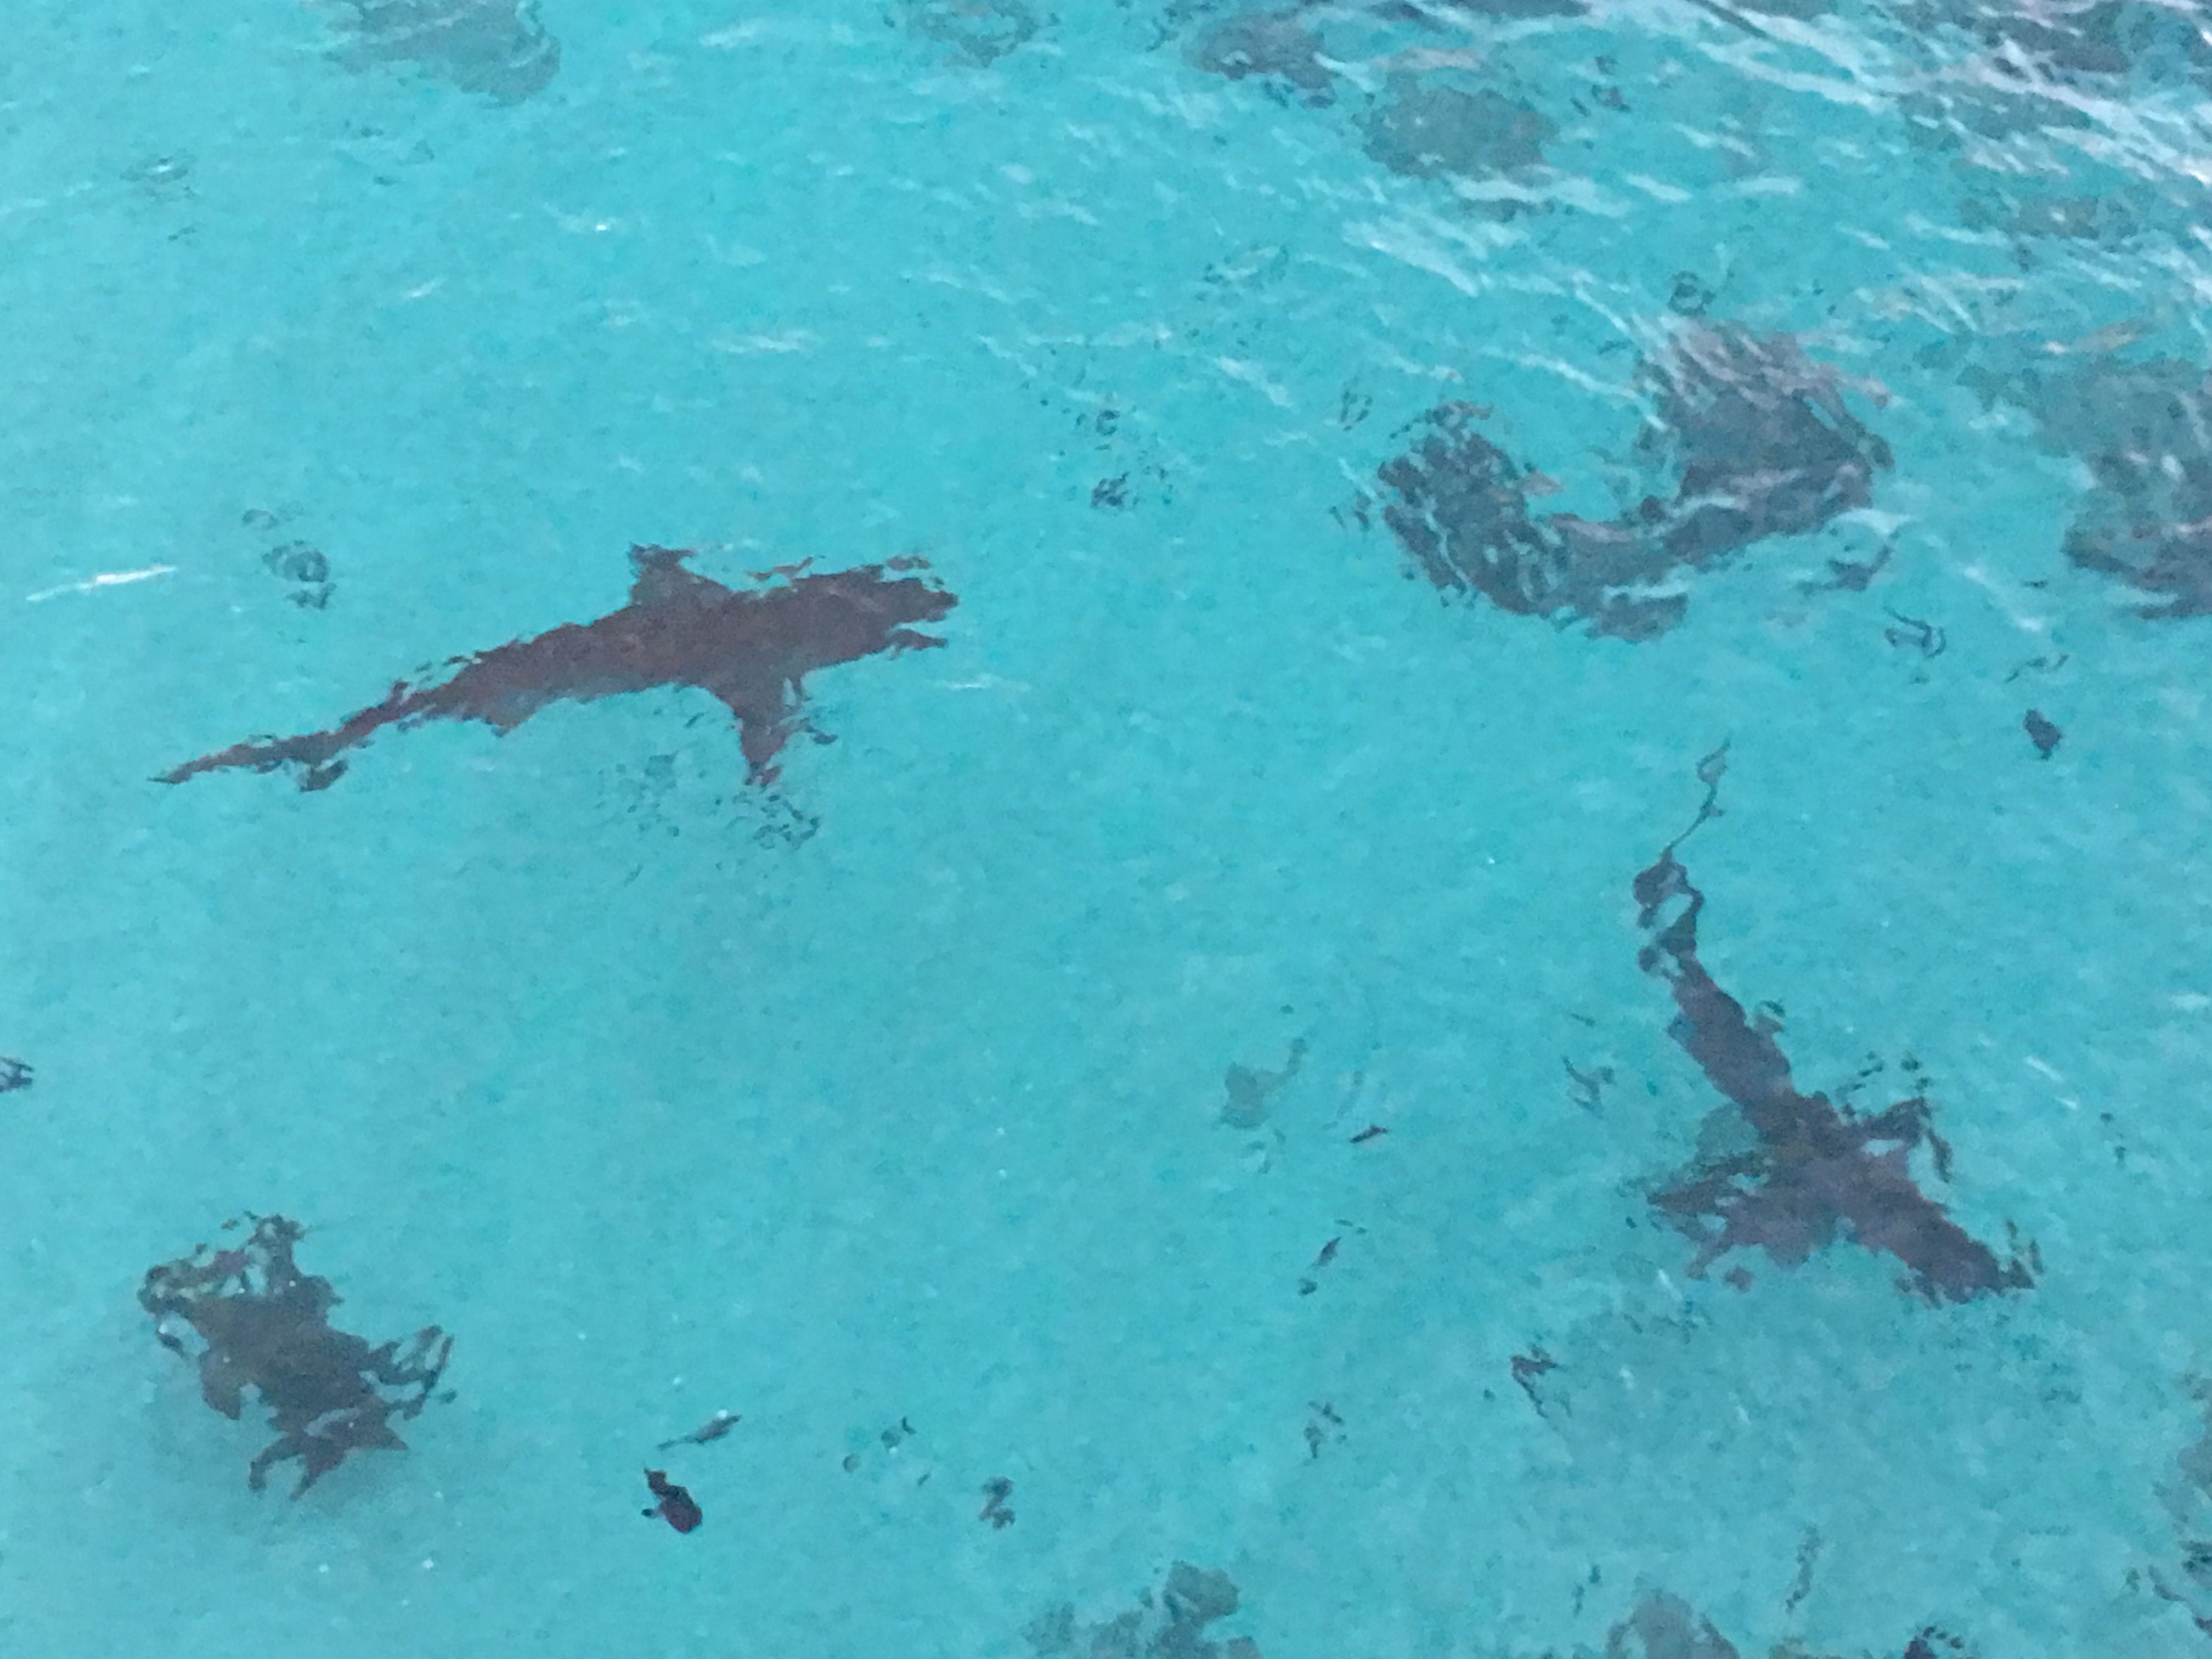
{"points": [[895, 1093]]}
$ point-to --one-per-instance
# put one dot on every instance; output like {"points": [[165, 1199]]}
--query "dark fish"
{"points": [[2044, 735], [675, 1505]]}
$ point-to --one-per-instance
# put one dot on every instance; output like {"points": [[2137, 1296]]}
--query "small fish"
{"points": [[2041, 733], [1368, 1134], [713, 1429], [996, 1492], [675, 1505]]}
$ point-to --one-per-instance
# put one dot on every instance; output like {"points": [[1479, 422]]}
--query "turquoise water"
{"points": [[895, 1105]]}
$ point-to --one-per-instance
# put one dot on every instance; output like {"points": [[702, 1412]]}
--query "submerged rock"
{"points": [[1664, 1627], [978, 32], [1277, 46], [1459, 508], [1754, 433], [2144, 430], [1760, 437], [495, 48], [1424, 127], [1171, 1626]]}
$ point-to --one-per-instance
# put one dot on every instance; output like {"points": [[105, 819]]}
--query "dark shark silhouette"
{"points": [[1808, 1167], [752, 649]]}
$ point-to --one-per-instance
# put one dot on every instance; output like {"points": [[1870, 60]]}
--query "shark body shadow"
{"points": [[751, 650]]}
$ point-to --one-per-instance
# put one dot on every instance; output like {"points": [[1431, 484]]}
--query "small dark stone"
{"points": [[298, 562], [1690, 295]]}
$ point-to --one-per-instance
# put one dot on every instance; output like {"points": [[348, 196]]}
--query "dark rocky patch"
{"points": [[1251, 1091], [1171, 1626], [1941, 117], [1129, 466], [1689, 294], [2077, 40], [495, 48], [307, 569], [978, 32], [1915, 634], [1786, 1172], [1422, 127], [2103, 219], [1459, 508], [162, 178], [298, 562], [1323, 1428], [1513, 11], [1851, 576], [1760, 438], [1588, 1090], [2144, 430], [2004, 72], [2185, 1500], [247, 1317], [1530, 1369], [1663, 1626], [751, 650], [1754, 433], [1800, 1582], [1274, 47]]}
